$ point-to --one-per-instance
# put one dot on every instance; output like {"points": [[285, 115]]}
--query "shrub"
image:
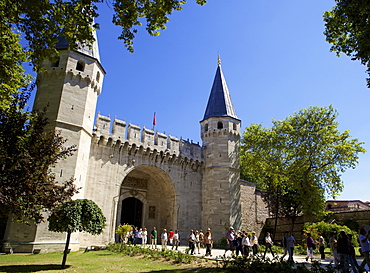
{"points": [[325, 229], [257, 264], [168, 255]]}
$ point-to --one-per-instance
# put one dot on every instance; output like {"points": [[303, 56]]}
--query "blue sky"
{"points": [[274, 57]]}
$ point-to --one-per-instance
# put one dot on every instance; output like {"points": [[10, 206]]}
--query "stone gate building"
{"points": [[134, 174]]}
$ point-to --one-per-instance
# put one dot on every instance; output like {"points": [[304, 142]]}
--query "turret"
{"points": [[69, 89], [220, 132]]}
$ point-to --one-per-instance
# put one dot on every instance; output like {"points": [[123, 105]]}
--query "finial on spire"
{"points": [[218, 60]]}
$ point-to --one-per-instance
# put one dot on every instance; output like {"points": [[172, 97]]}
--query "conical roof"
{"points": [[219, 102], [92, 52]]}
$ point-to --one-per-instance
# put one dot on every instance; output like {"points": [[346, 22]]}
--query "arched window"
{"points": [[98, 76], [234, 126], [80, 65], [206, 127], [220, 125]]}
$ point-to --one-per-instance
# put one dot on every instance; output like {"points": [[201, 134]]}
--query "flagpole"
{"points": [[154, 120]]}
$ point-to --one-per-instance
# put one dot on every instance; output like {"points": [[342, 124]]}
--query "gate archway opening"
{"points": [[154, 190], [132, 211]]}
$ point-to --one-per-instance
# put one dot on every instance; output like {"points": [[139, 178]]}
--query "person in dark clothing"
{"points": [[238, 243], [343, 250], [321, 243]]}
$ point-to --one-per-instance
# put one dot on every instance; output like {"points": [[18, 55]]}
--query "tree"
{"points": [[347, 28], [304, 154], [27, 152], [78, 215], [29, 31], [41, 22]]}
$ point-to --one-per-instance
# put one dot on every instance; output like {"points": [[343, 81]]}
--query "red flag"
{"points": [[155, 119]]}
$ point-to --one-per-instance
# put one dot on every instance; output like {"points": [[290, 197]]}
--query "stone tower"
{"points": [[220, 132], [68, 89]]}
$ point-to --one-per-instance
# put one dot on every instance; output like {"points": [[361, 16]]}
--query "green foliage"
{"points": [[304, 154], [347, 28], [41, 22], [122, 231], [325, 229], [27, 152], [12, 76], [175, 256], [77, 215], [128, 15], [258, 264]]}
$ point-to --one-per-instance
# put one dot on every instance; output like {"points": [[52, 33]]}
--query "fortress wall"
{"points": [[254, 210], [284, 224], [146, 138]]}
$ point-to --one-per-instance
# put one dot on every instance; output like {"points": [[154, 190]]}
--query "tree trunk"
{"points": [[66, 250], [276, 214]]}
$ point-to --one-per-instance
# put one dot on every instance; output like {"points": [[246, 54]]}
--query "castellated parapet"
{"points": [[133, 136]]}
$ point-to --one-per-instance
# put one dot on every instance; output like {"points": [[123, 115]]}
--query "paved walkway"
{"points": [[218, 254]]}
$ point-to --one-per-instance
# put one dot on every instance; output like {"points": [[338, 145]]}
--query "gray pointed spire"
{"points": [[219, 102]]}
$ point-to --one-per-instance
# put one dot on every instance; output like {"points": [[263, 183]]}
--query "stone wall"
{"points": [[284, 224], [254, 210]]}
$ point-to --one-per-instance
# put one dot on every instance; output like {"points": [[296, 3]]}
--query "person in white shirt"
{"points": [[191, 241], [245, 245], [176, 239], [164, 239], [269, 244], [145, 236]]}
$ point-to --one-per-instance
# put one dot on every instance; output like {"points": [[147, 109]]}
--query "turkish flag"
{"points": [[155, 119]]}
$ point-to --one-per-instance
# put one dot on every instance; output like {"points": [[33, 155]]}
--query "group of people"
{"points": [[197, 240], [241, 242], [343, 250], [139, 236], [171, 238]]}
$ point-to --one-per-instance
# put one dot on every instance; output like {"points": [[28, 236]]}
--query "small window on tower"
{"points": [[234, 126], [220, 125], [206, 127], [98, 76], [55, 63], [151, 212], [80, 65]]}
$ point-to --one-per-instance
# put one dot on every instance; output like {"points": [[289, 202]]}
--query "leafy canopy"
{"points": [[77, 215], [347, 28], [41, 22], [29, 31], [326, 229], [304, 154], [27, 152]]}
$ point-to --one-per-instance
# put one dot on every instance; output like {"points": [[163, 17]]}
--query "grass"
{"points": [[97, 261]]}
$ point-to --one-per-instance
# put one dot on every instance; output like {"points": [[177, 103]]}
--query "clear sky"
{"points": [[274, 57]]}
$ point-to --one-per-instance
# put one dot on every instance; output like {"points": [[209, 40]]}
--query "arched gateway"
{"points": [[134, 174], [147, 199]]}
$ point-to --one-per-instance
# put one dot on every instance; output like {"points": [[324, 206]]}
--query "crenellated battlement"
{"points": [[143, 138], [75, 78]]}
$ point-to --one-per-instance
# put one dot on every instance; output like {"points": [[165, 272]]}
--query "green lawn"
{"points": [[95, 261]]}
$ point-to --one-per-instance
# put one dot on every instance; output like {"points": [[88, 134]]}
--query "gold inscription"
{"points": [[136, 182]]}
